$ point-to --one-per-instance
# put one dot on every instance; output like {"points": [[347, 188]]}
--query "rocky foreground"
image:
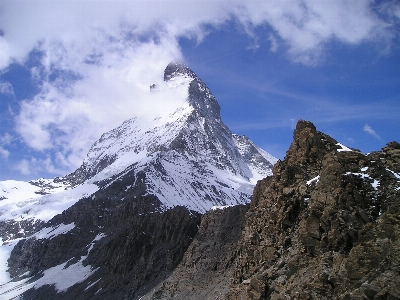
{"points": [[326, 225]]}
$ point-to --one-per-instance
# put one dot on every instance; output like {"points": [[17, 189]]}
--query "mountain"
{"points": [[156, 175], [189, 158]]}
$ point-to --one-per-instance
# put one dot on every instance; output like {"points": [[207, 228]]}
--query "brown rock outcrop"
{"points": [[324, 226]]}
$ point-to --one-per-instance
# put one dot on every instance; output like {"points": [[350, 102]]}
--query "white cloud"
{"points": [[307, 26], [368, 129], [109, 92], [5, 139], [274, 43], [107, 53], [304, 25], [35, 166]]}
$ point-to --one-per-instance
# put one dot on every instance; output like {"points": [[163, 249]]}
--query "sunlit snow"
{"points": [[375, 183], [61, 276], [23, 203], [342, 148], [51, 232], [220, 207], [312, 180]]}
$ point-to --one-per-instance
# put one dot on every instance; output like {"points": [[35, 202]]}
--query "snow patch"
{"points": [[394, 173], [61, 276], [312, 180], [98, 237], [216, 207], [64, 277], [25, 204], [92, 284], [5, 252], [375, 183], [51, 232], [342, 148]]}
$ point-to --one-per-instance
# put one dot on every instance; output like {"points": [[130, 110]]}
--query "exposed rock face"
{"points": [[324, 226], [208, 264]]}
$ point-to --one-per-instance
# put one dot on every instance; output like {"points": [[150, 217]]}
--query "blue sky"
{"points": [[71, 70]]}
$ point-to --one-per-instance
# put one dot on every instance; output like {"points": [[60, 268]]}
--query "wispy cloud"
{"points": [[368, 129], [304, 27], [6, 88], [34, 166], [4, 153], [23, 167]]}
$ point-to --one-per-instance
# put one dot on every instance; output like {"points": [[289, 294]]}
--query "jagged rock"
{"points": [[324, 226]]}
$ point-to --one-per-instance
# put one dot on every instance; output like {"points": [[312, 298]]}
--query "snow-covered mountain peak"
{"points": [[199, 95], [175, 69], [187, 157]]}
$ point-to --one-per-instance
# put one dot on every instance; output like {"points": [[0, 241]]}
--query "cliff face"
{"points": [[324, 226], [207, 266]]}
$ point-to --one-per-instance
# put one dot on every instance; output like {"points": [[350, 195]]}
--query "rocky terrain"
{"points": [[324, 226], [129, 247], [208, 264]]}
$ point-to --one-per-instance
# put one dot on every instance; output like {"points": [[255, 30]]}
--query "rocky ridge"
{"points": [[324, 226], [207, 267]]}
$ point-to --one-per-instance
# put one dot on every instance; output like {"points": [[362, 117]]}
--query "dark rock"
{"points": [[207, 265]]}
